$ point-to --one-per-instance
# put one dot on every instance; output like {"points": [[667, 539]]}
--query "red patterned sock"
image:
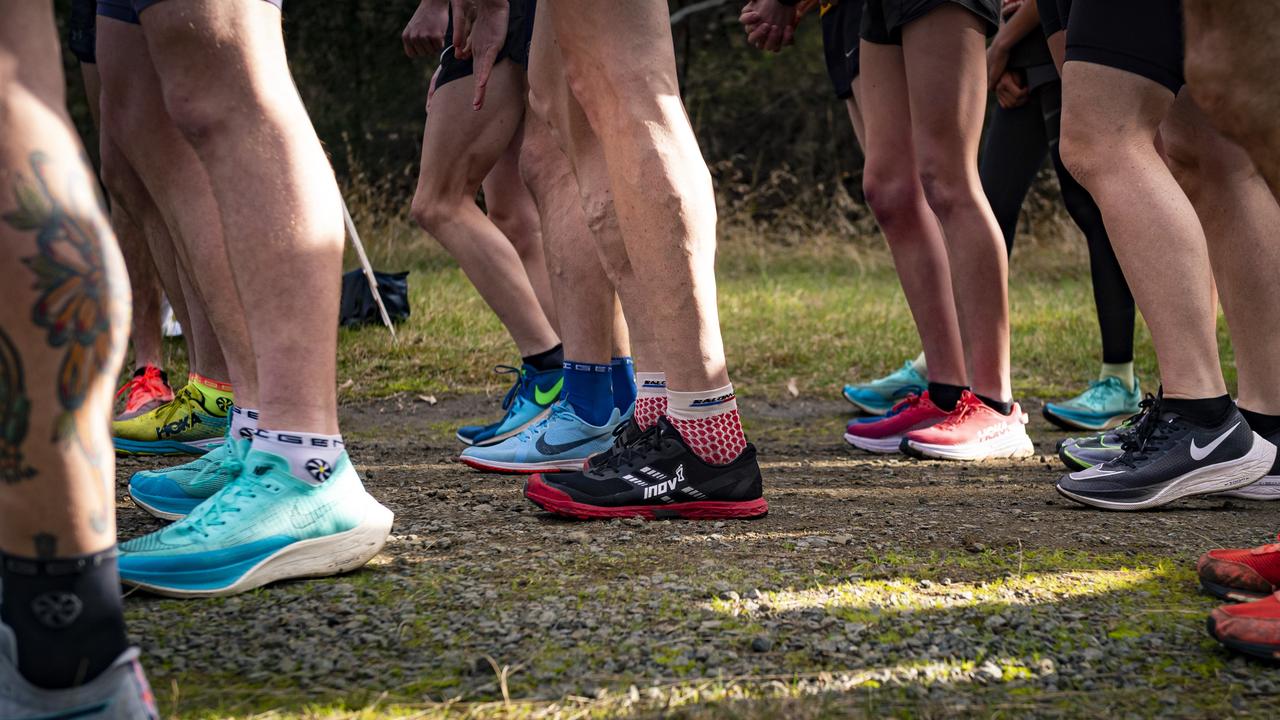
{"points": [[709, 422], [651, 398]]}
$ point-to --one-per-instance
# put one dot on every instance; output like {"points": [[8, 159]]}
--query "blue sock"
{"points": [[589, 389], [624, 383]]}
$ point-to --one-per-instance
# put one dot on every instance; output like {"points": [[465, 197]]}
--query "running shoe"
{"points": [[189, 424], [1167, 458], [1105, 404], [1252, 628], [1241, 574], [120, 692], [656, 477], [879, 396], [884, 435], [626, 433], [174, 492], [972, 431], [1085, 452], [147, 390], [560, 441], [528, 401], [266, 525]]}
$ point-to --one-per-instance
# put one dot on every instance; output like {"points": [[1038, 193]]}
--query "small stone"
{"points": [[761, 644], [990, 671], [577, 536]]}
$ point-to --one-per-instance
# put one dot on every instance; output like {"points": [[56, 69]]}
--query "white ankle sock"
{"points": [[244, 422], [312, 456]]}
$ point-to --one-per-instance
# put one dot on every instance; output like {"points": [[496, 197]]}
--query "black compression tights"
{"points": [[1016, 143]]}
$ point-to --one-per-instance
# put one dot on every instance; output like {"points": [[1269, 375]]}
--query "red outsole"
{"points": [[558, 502], [476, 464]]}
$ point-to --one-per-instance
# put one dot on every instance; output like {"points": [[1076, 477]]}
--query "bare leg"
{"points": [[511, 207], [892, 186], [1239, 215], [945, 65], [1109, 124]]}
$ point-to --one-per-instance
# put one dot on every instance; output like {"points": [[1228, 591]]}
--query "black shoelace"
{"points": [[1148, 436], [647, 442]]}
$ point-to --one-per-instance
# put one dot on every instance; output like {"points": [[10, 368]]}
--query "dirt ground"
{"points": [[874, 585]]}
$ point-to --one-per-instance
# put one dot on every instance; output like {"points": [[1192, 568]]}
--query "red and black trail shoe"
{"points": [[1241, 574]]}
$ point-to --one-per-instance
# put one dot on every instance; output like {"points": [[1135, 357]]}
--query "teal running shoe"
{"points": [[879, 396], [561, 441], [174, 492], [528, 401], [266, 525], [1105, 404]]}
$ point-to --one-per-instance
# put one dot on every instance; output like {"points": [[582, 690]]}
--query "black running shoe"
{"points": [[656, 477], [624, 435], [1167, 458]]}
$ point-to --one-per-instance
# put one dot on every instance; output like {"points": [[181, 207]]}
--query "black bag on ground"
{"points": [[358, 306]]}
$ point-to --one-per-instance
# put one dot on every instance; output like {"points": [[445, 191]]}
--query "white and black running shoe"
{"points": [[655, 476], [1167, 458]]}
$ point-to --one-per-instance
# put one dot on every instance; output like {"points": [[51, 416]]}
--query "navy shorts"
{"points": [[82, 32], [128, 10]]}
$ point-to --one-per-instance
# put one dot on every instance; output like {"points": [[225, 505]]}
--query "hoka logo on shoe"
{"points": [[992, 432], [178, 426], [665, 487]]}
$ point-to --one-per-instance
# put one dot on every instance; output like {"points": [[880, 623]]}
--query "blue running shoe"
{"points": [[561, 441], [1105, 404], [528, 401], [879, 396], [266, 525], [174, 492]]}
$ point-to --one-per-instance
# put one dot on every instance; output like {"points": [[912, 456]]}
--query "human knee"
{"points": [[891, 193], [1083, 153], [946, 186]]}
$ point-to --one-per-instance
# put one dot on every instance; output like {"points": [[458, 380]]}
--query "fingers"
{"points": [[758, 35], [461, 29]]}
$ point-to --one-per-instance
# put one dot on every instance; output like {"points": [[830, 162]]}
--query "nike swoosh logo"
{"points": [[1094, 472], [546, 397], [547, 448], [1200, 453]]}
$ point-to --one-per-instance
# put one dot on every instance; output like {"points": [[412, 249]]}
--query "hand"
{"points": [[997, 62], [769, 24], [424, 35], [479, 32], [1010, 91]]}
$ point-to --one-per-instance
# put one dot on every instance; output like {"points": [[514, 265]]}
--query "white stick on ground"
{"points": [[368, 269]]}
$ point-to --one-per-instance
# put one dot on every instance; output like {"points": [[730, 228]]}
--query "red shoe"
{"points": [[147, 390], [1241, 574], [972, 431], [884, 434], [1252, 628]]}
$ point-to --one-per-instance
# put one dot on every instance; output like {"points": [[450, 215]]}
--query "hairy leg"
{"points": [[1240, 216], [892, 186], [460, 148], [944, 54], [511, 207], [1109, 124], [191, 242]]}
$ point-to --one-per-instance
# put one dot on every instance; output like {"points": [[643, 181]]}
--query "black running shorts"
{"points": [[883, 20], [516, 49], [81, 30], [1143, 37], [841, 21], [128, 10], [1053, 15]]}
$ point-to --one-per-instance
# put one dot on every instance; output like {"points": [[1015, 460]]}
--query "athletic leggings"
{"points": [[1016, 143]]}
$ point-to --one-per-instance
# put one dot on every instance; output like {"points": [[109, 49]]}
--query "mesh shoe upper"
{"points": [[1254, 569]]}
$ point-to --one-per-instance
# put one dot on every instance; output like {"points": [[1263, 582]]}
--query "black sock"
{"points": [[552, 359], [66, 614], [1265, 425], [946, 396], [1205, 412], [1004, 408]]}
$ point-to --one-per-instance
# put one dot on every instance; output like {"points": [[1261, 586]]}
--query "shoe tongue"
{"points": [[260, 462], [667, 429]]}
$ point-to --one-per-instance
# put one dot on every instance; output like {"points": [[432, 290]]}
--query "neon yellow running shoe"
{"points": [[193, 423]]}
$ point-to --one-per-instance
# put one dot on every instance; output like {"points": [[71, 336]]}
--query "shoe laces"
{"points": [[1148, 435], [559, 409], [185, 399], [908, 402], [229, 499], [1099, 389], [641, 446], [144, 386], [515, 386], [964, 408]]}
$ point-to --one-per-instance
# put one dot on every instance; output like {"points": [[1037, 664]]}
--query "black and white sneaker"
{"points": [[624, 435], [654, 477], [1167, 458]]}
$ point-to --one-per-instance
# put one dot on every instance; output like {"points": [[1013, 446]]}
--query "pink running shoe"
{"points": [[147, 390], [884, 434], [972, 431]]}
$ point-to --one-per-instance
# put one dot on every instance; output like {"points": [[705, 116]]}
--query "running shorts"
{"points": [[1143, 37], [81, 31], [128, 10], [883, 20], [841, 21], [516, 49], [1053, 15]]}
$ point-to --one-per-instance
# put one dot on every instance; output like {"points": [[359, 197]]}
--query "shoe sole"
{"points": [[317, 557], [559, 503], [166, 447], [569, 465], [1066, 423], [1265, 490], [499, 438], [152, 507], [1225, 592], [1264, 652], [1018, 447], [879, 446], [1207, 480]]}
